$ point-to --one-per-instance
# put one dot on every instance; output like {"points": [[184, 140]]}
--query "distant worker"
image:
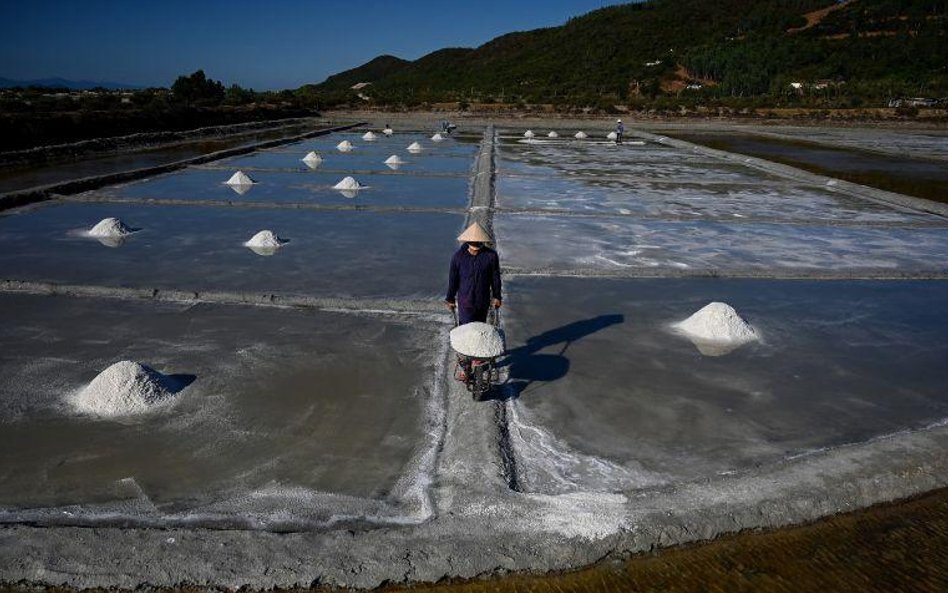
{"points": [[620, 130], [474, 277]]}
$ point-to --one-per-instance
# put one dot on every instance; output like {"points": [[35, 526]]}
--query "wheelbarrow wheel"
{"points": [[480, 381]]}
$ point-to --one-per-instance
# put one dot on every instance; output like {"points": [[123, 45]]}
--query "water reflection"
{"points": [[113, 242]]}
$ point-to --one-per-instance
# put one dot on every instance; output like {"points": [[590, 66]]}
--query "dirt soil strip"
{"points": [[46, 192], [381, 306]]}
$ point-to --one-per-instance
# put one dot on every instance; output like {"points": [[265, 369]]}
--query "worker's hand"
{"points": [[497, 303], [450, 305]]}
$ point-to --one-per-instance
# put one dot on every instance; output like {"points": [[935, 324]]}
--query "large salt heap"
{"points": [[109, 227], [580, 135], [344, 146], [265, 242], [369, 136], [552, 135], [415, 147], [437, 138], [388, 131], [110, 232], [126, 388], [717, 329], [529, 134], [478, 339], [312, 159], [612, 136]]}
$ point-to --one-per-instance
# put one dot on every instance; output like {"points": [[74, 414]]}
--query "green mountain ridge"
{"points": [[858, 50]]}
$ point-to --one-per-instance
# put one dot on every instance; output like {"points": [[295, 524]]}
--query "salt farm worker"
{"points": [[620, 129], [474, 277]]}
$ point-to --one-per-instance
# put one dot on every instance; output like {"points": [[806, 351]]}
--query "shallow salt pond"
{"points": [[624, 244], [594, 364], [653, 199], [282, 405], [339, 254], [311, 188]]}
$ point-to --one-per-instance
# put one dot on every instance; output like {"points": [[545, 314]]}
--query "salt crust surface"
{"points": [[109, 227], [529, 134], [344, 146], [477, 339], [348, 183], [265, 238], [552, 135], [581, 135], [394, 160], [125, 388], [240, 178], [415, 147], [369, 136], [720, 323]]}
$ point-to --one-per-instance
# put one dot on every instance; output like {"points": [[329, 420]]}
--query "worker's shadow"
{"points": [[525, 365]]}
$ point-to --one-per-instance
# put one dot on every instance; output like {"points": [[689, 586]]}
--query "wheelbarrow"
{"points": [[478, 370]]}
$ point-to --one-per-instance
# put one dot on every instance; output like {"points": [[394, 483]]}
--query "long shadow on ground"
{"points": [[527, 366]]}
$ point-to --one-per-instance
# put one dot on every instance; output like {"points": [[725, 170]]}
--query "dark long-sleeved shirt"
{"points": [[474, 279]]}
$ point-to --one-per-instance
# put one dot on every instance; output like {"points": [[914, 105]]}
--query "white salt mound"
{"points": [[344, 146], [369, 136], [394, 160], [580, 135], [415, 147], [312, 157], [437, 138], [720, 323], [240, 178], [109, 227], [612, 136], [388, 131], [125, 388], [552, 135], [265, 239], [477, 339], [348, 183], [529, 134]]}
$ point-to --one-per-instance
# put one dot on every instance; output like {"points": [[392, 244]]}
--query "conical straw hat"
{"points": [[474, 234]]}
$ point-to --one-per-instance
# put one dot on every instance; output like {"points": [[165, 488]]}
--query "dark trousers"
{"points": [[469, 315]]}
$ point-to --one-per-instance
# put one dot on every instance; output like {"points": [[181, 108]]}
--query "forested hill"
{"points": [[861, 50]]}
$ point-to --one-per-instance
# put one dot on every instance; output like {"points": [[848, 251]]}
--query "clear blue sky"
{"points": [[261, 44]]}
